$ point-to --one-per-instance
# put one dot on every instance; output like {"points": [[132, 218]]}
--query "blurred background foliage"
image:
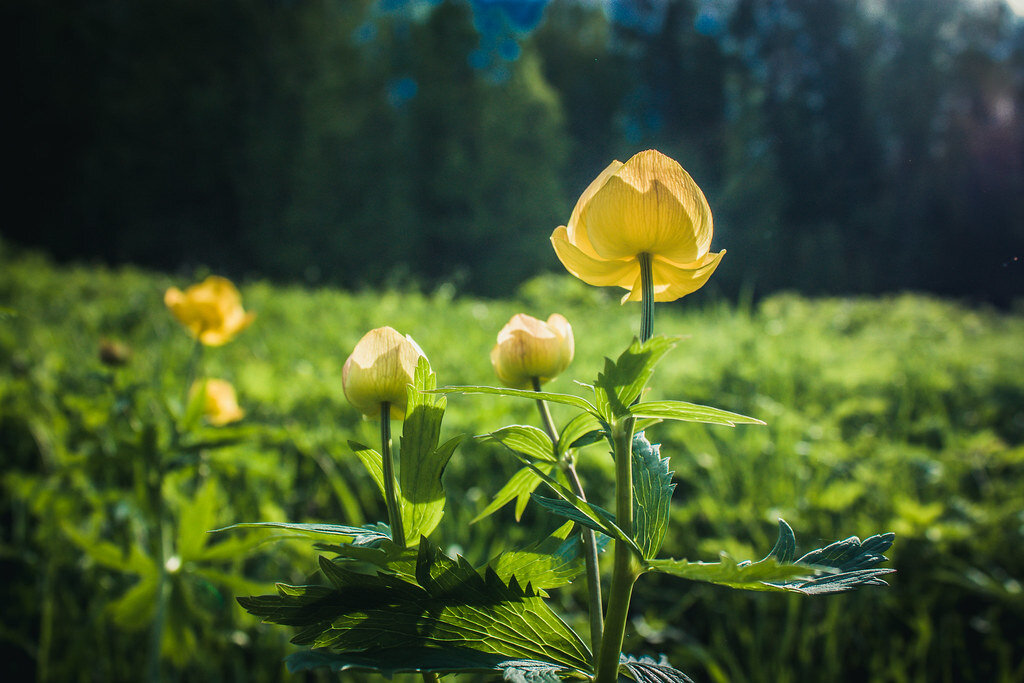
{"points": [[846, 146], [901, 413]]}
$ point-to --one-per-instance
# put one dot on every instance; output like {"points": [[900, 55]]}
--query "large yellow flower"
{"points": [[211, 311], [529, 348], [648, 205], [380, 369]]}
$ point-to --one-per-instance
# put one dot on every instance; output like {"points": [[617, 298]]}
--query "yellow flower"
{"points": [[380, 369], [648, 205], [211, 311], [220, 404], [529, 348]]}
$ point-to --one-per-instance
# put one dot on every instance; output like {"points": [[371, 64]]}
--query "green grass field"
{"points": [[902, 414]]}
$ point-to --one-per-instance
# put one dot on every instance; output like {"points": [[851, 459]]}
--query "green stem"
{"points": [[390, 483], [625, 568], [590, 561], [163, 585]]}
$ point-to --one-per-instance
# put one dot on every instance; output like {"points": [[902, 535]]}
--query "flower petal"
{"points": [[578, 236], [594, 271], [649, 205]]}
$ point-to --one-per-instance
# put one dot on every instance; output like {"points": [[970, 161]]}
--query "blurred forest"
{"points": [[845, 146]]}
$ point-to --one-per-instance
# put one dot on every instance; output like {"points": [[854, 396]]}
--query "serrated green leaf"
{"points": [[519, 487], [451, 605], [582, 430], [652, 495], [690, 412], [622, 381], [373, 461], [589, 515], [565, 399], [421, 494], [836, 568], [550, 563], [390, 661], [650, 670], [526, 440]]}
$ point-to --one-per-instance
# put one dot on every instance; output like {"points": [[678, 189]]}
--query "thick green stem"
{"points": [[625, 568], [590, 561], [390, 483], [160, 548]]}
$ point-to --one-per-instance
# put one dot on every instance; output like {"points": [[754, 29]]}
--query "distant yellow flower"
{"points": [[211, 311], [529, 348], [648, 205], [380, 369], [220, 403]]}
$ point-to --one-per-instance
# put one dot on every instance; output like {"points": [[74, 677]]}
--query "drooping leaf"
{"points": [[437, 660], [582, 430], [421, 493], [373, 461], [519, 487], [650, 670], [589, 515], [652, 495], [690, 412], [566, 399], [622, 381], [836, 568], [364, 535], [526, 440], [449, 606]]}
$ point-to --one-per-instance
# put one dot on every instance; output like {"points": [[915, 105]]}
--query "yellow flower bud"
{"points": [[380, 369], [529, 348], [648, 205], [220, 403], [211, 311]]}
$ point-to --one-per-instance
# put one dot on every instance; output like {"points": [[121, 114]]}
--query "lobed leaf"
{"points": [[623, 380], [649, 670], [518, 487], [373, 461], [652, 495], [526, 440], [690, 412], [582, 430]]}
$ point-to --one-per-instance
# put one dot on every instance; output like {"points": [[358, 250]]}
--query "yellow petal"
{"points": [[649, 205], [576, 235], [528, 348], [590, 269], [380, 369], [673, 282]]}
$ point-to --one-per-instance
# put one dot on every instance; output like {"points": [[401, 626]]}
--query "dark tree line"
{"points": [[845, 147]]}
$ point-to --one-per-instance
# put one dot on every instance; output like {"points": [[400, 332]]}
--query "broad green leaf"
{"points": [[652, 495], [437, 660], [232, 581], [421, 493], [582, 430], [550, 563], [360, 535], [134, 610], [373, 461], [198, 515], [451, 605], [108, 555], [650, 670], [526, 440], [622, 381], [566, 399], [690, 412], [519, 487], [836, 568]]}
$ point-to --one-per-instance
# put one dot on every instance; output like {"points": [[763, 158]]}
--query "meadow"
{"points": [[902, 413]]}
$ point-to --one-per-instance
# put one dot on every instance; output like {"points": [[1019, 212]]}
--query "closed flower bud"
{"points": [[380, 370], [220, 403], [529, 348], [211, 311], [648, 205]]}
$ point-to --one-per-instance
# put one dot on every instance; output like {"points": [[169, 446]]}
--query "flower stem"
{"points": [[646, 297], [625, 569], [590, 561], [390, 494]]}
